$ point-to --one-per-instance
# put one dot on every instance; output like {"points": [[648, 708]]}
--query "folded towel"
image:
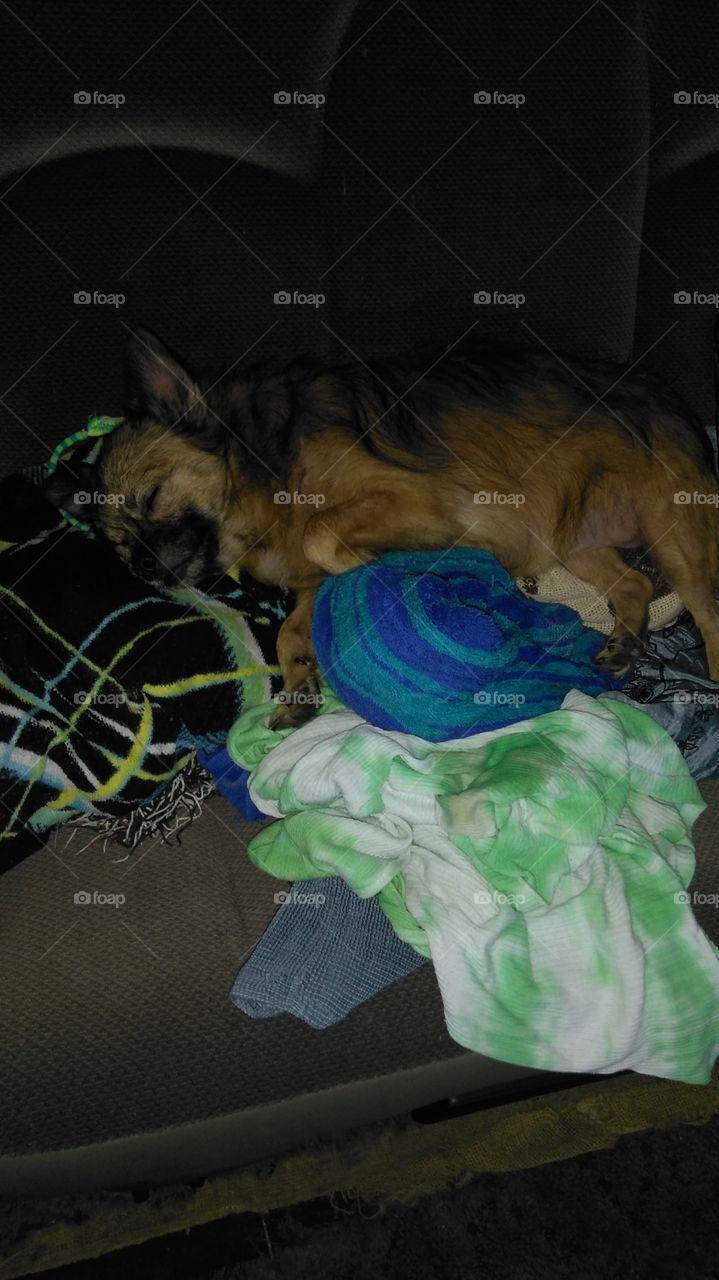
{"points": [[443, 644]]}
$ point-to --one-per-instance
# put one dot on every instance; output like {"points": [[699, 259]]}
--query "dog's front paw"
{"points": [[620, 653], [299, 704]]}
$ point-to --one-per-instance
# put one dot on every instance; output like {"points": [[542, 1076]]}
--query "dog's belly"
{"points": [[528, 538], [614, 527], [517, 534]]}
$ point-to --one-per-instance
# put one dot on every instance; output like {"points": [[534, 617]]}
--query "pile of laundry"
{"points": [[541, 864]]}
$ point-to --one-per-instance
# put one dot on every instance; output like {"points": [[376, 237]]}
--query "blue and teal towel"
{"points": [[444, 645]]}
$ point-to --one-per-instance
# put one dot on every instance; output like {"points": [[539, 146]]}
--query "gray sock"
{"points": [[326, 951]]}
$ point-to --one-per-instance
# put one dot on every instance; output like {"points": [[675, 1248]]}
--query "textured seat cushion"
{"points": [[117, 1019]]}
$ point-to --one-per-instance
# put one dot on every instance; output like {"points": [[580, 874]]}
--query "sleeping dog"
{"points": [[312, 470]]}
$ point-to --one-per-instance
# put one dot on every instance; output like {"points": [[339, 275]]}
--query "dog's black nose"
{"points": [[146, 565]]}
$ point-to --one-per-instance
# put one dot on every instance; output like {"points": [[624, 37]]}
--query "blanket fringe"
{"points": [[162, 818]]}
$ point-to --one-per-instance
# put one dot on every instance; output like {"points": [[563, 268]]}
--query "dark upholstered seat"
{"points": [[400, 197]]}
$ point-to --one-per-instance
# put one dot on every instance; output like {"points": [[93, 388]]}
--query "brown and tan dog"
{"points": [[310, 470]]}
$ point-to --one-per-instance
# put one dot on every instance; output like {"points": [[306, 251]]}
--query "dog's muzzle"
{"points": [[178, 553]]}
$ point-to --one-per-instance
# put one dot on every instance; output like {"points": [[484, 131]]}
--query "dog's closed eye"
{"points": [[150, 501]]}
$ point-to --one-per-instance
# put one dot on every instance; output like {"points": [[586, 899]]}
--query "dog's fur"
{"points": [[574, 458]]}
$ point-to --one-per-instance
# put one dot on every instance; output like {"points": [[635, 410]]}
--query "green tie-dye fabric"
{"points": [[543, 867]]}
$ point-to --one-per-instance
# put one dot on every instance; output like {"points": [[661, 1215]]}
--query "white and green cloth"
{"points": [[543, 867]]}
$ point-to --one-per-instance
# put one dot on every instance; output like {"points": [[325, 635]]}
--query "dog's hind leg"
{"points": [[628, 593], [684, 541]]}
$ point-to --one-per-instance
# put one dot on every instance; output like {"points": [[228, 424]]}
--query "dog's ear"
{"points": [[157, 386], [73, 490]]}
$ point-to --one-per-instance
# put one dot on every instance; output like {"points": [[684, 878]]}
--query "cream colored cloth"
{"points": [[559, 586]]}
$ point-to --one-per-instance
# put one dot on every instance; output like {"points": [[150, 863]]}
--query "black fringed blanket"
{"points": [[108, 687]]}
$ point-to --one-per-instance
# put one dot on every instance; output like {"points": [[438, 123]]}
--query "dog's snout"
{"points": [[146, 565], [158, 564], [175, 552]]}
